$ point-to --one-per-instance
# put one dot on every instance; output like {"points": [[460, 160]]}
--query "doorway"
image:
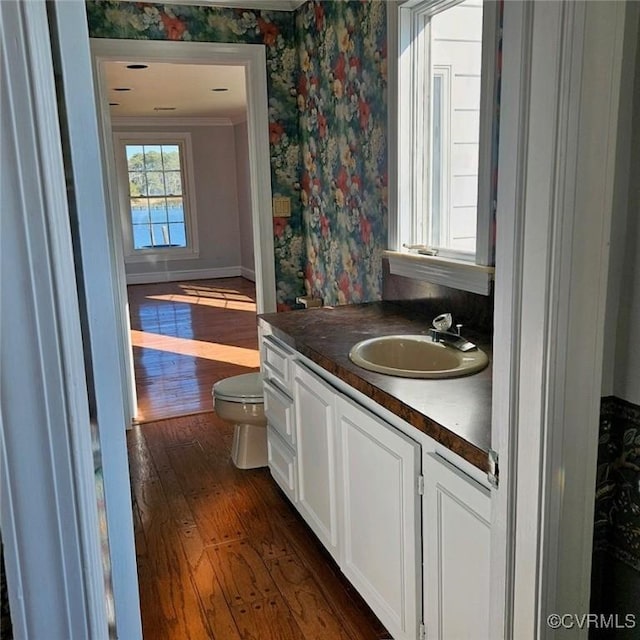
{"points": [[252, 59]]}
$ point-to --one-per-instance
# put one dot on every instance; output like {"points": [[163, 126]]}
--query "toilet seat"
{"points": [[245, 388]]}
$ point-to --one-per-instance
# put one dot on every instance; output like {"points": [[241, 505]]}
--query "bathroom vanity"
{"points": [[389, 473]]}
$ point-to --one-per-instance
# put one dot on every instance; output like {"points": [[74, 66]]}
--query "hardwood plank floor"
{"points": [[221, 552], [186, 336]]}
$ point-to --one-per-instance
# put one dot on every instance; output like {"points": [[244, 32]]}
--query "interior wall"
{"points": [[342, 97], [626, 371], [247, 258], [275, 31], [216, 197], [616, 560], [327, 81], [621, 368]]}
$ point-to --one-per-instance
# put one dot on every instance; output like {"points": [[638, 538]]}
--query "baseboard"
{"points": [[248, 274], [187, 274]]}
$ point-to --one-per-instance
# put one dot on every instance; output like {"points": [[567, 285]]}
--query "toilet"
{"points": [[240, 400]]}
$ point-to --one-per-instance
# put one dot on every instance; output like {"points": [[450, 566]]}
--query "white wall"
{"points": [[626, 374], [218, 224], [622, 336], [247, 258]]}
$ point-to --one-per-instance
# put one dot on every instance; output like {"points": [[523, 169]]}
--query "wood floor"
{"points": [[221, 552], [186, 336]]}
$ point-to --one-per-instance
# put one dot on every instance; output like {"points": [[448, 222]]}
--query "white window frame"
{"points": [[444, 72], [183, 141], [408, 38]]}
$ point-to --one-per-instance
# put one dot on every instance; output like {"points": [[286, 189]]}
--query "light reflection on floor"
{"points": [[185, 337], [196, 348], [222, 303]]}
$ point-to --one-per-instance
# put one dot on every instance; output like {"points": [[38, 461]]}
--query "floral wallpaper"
{"points": [[342, 98], [617, 507], [274, 29], [326, 71]]}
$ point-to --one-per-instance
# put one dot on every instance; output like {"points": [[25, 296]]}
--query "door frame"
{"points": [[96, 257], [252, 58], [49, 499], [561, 84], [558, 134]]}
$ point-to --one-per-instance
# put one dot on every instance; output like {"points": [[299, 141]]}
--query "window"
{"points": [[156, 195], [446, 132]]}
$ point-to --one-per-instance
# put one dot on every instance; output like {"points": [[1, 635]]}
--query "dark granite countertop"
{"points": [[455, 412]]}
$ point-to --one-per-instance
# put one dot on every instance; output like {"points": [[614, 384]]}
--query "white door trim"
{"points": [[253, 58], [514, 116], [554, 213], [98, 260], [583, 205], [48, 502]]}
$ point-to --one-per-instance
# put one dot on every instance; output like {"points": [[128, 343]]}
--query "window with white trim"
{"points": [[446, 130], [156, 192]]}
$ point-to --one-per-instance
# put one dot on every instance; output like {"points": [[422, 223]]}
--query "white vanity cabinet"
{"points": [[456, 536], [358, 489], [379, 489], [316, 434], [408, 528], [277, 367], [281, 455]]}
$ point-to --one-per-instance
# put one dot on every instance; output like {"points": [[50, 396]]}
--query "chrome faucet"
{"points": [[441, 333]]}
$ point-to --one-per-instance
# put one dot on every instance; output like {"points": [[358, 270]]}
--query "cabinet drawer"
{"points": [[278, 407], [276, 362], [282, 463]]}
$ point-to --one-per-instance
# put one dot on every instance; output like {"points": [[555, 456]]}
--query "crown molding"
{"points": [[146, 121]]}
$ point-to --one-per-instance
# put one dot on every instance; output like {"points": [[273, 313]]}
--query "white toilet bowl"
{"points": [[240, 400]]}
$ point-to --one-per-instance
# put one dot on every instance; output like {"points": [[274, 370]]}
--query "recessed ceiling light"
{"points": [[219, 89], [137, 66], [122, 88], [164, 108]]}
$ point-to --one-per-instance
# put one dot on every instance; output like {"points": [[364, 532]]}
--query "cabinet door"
{"points": [[457, 541], [380, 507], [316, 455]]}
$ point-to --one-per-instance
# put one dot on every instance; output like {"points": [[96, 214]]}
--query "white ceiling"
{"points": [[187, 87]]}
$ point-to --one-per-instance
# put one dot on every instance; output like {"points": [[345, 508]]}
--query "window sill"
{"points": [[162, 255], [457, 274]]}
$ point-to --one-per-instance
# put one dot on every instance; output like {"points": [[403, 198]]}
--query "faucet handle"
{"points": [[458, 328], [442, 322]]}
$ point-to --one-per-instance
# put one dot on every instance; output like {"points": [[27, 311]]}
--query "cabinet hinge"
{"points": [[494, 470], [423, 632], [420, 485]]}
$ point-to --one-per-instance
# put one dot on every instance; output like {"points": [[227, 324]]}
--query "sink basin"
{"points": [[416, 357]]}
